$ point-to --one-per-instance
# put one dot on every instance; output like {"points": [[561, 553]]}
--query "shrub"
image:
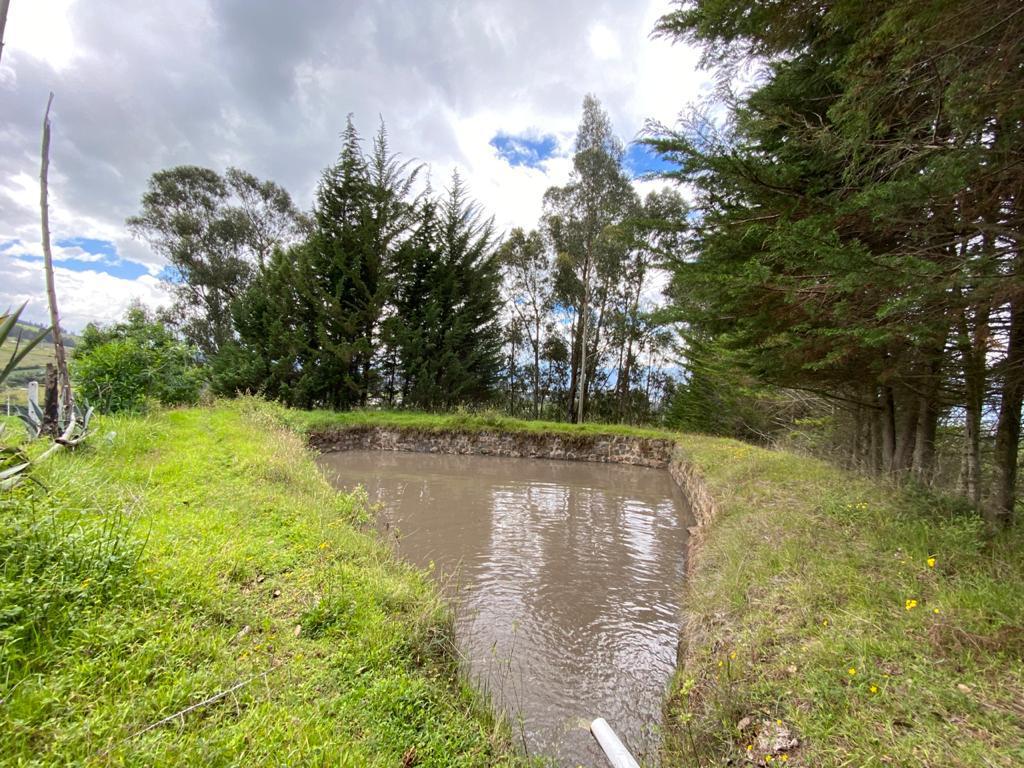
{"points": [[123, 366]]}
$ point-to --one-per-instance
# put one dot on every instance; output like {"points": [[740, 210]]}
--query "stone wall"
{"points": [[616, 449]]}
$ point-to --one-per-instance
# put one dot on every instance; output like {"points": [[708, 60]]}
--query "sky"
{"points": [[491, 88]]}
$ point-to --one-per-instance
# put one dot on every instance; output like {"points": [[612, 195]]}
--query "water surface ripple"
{"points": [[565, 577]]}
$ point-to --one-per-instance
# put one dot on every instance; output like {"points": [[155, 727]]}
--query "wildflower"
{"points": [[324, 544], [910, 604], [85, 584], [750, 747], [784, 757], [852, 671], [720, 662], [873, 689], [732, 655], [935, 610], [931, 562], [824, 622], [768, 758]]}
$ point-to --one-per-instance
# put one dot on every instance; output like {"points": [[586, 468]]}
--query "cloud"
{"points": [[84, 295], [266, 86]]}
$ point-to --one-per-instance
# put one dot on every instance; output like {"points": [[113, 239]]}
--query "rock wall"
{"points": [[616, 449]]}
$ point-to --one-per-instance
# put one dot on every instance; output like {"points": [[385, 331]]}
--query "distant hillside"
{"points": [[33, 367]]}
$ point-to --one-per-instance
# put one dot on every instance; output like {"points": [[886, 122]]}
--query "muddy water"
{"points": [[565, 577]]}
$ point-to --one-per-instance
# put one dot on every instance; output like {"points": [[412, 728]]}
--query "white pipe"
{"points": [[614, 749]]}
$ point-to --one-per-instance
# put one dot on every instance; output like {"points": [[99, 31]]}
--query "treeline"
{"points": [[859, 234], [389, 294]]}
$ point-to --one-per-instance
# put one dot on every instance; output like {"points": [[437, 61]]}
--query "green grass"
{"points": [[797, 614], [174, 560], [177, 556], [469, 422]]}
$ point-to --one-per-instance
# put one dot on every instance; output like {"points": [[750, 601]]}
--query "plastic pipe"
{"points": [[616, 752]]}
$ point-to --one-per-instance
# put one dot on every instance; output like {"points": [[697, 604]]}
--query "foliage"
{"points": [[124, 366], [857, 208], [214, 232]]}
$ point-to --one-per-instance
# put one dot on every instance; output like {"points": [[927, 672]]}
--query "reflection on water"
{"points": [[565, 576]]}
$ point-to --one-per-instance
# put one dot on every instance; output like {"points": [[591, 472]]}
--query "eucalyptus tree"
{"points": [[581, 218], [214, 231], [529, 296]]}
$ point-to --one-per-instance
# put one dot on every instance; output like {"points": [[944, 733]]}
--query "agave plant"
{"points": [[13, 461], [8, 323]]}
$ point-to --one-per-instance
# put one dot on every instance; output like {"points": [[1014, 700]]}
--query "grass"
{"points": [[830, 620], [198, 556], [462, 421], [876, 627]]}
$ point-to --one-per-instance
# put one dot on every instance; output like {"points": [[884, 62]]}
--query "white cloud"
{"points": [[144, 86], [83, 297], [603, 43]]}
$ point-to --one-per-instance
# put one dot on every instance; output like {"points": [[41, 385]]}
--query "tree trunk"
{"points": [[887, 428], [973, 349], [65, 401], [999, 509], [574, 362], [927, 421], [906, 434], [536, 371]]}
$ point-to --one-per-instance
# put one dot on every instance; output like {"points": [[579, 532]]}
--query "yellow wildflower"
{"points": [[935, 610], [732, 655], [824, 622], [324, 544], [750, 747], [852, 671], [784, 757], [910, 604], [931, 562], [873, 689]]}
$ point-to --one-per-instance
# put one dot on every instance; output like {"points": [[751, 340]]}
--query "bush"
{"points": [[123, 366]]}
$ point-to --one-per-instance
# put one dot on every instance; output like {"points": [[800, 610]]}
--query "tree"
{"points": [[580, 218], [858, 211], [446, 321], [214, 232], [124, 366], [529, 297]]}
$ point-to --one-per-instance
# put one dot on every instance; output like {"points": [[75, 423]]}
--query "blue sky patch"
{"points": [[96, 256], [525, 149], [641, 160]]}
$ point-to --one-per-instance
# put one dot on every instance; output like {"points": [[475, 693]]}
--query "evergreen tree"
{"points": [[446, 323]]}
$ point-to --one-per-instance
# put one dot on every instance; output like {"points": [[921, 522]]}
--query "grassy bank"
{"points": [[876, 627], [470, 422], [196, 558]]}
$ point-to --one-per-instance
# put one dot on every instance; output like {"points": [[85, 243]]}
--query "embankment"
{"points": [[186, 589]]}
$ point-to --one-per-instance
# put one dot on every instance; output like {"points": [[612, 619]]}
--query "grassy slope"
{"points": [[241, 532], [798, 613]]}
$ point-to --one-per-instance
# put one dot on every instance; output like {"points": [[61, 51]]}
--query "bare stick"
{"points": [[4, 5], [63, 380], [181, 713]]}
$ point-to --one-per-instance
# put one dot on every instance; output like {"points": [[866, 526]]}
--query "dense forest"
{"points": [[391, 294], [859, 232]]}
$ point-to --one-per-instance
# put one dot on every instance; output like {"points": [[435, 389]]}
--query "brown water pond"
{"points": [[565, 577]]}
